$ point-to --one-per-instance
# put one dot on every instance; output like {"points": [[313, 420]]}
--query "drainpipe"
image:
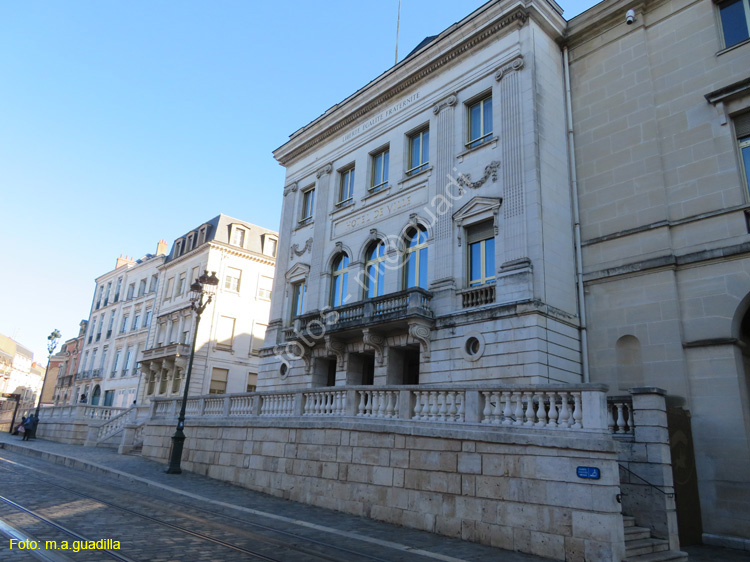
{"points": [[576, 220]]}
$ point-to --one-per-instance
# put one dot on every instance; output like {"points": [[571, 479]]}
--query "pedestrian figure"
{"points": [[83, 398], [20, 429], [28, 425], [34, 423]]}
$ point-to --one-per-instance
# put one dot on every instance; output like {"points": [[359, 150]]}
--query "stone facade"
{"points": [[620, 237], [664, 226]]}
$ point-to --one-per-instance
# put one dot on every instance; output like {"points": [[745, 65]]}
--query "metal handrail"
{"points": [[668, 494]]}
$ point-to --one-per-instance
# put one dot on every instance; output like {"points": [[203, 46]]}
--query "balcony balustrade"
{"points": [[392, 308]]}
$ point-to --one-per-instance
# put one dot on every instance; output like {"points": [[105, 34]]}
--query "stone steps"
{"points": [[640, 546]]}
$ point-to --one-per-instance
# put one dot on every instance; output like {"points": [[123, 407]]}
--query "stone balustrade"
{"points": [[620, 415], [78, 411], [551, 407]]}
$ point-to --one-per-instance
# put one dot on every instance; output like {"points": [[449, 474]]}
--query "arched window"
{"points": [[415, 259], [375, 270], [340, 280]]}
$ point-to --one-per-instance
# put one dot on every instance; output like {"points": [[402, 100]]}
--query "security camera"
{"points": [[630, 17]]}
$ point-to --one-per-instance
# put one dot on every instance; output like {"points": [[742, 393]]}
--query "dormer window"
{"points": [[269, 245], [178, 249], [202, 235], [238, 237], [190, 240]]}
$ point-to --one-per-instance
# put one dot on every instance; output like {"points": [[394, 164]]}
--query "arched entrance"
{"points": [[96, 395]]}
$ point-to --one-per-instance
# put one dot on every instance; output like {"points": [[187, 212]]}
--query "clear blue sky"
{"points": [[122, 123]]}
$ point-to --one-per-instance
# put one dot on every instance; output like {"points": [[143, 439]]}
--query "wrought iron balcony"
{"points": [[394, 308]]}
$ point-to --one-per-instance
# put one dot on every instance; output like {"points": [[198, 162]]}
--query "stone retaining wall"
{"points": [[514, 489]]}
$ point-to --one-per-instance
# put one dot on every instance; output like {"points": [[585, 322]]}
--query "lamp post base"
{"points": [[178, 441]]}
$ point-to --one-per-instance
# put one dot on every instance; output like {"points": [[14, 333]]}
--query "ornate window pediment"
{"points": [[298, 272], [477, 210]]}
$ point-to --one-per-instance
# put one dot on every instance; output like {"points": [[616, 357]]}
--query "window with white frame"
{"points": [[308, 204], [252, 382], [238, 237], [116, 363], [225, 332], [265, 284], [136, 321], [142, 288], [480, 241], [346, 185], [735, 21], [379, 173], [259, 337], [479, 121], [340, 285], [375, 270], [131, 291], [152, 286], [419, 151], [147, 319], [181, 282], [219, 379], [168, 292], [232, 279], [124, 325]]}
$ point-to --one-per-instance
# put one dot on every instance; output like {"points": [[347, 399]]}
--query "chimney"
{"points": [[123, 260], [161, 248]]}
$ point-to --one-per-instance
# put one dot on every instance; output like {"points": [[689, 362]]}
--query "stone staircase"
{"points": [[640, 546]]}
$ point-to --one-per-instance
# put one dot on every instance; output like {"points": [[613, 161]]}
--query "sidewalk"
{"points": [[221, 494]]}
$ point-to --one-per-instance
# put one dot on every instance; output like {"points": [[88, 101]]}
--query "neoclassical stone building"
{"points": [[525, 199]]}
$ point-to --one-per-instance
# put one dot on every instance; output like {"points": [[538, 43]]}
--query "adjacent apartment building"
{"points": [[233, 326], [136, 341], [526, 199], [68, 362]]}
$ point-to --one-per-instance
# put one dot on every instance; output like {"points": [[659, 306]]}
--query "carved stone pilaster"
{"points": [[376, 342], [514, 64], [327, 169], [421, 333], [450, 101]]}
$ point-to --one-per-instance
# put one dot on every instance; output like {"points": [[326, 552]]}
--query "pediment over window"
{"points": [[479, 208], [298, 272]]}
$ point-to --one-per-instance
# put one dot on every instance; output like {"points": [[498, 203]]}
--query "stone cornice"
{"points": [[305, 140]]}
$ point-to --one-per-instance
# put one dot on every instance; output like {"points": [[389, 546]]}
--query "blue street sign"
{"points": [[590, 472]]}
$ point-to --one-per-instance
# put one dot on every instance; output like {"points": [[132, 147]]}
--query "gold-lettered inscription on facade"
{"points": [[382, 116]]}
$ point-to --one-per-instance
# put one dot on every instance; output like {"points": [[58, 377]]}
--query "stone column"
{"points": [[651, 508], [316, 289]]}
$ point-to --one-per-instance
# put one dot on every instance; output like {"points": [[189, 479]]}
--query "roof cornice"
{"points": [[416, 68]]}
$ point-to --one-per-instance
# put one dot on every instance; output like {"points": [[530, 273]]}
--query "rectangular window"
{"points": [[131, 291], [111, 323], [308, 205], [480, 239], [238, 237], [480, 122], [106, 294], [181, 284], [124, 325], [186, 337], [269, 245], [147, 320], [252, 382], [298, 299], [195, 274], [117, 290], [128, 362], [379, 176], [218, 381], [168, 292], [116, 364], [346, 185], [225, 332], [742, 128], [735, 21], [142, 288], [265, 284], [99, 298], [136, 321], [152, 286], [232, 279], [419, 152], [259, 336]]}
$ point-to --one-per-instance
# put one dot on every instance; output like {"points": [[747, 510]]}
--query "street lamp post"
{"points": [[53, 337], [204, 286]]}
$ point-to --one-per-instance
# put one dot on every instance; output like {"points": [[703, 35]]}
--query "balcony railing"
{"points": [[168, 350], [96, 374], [478, 296], [83, 375], [413, 302]]}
